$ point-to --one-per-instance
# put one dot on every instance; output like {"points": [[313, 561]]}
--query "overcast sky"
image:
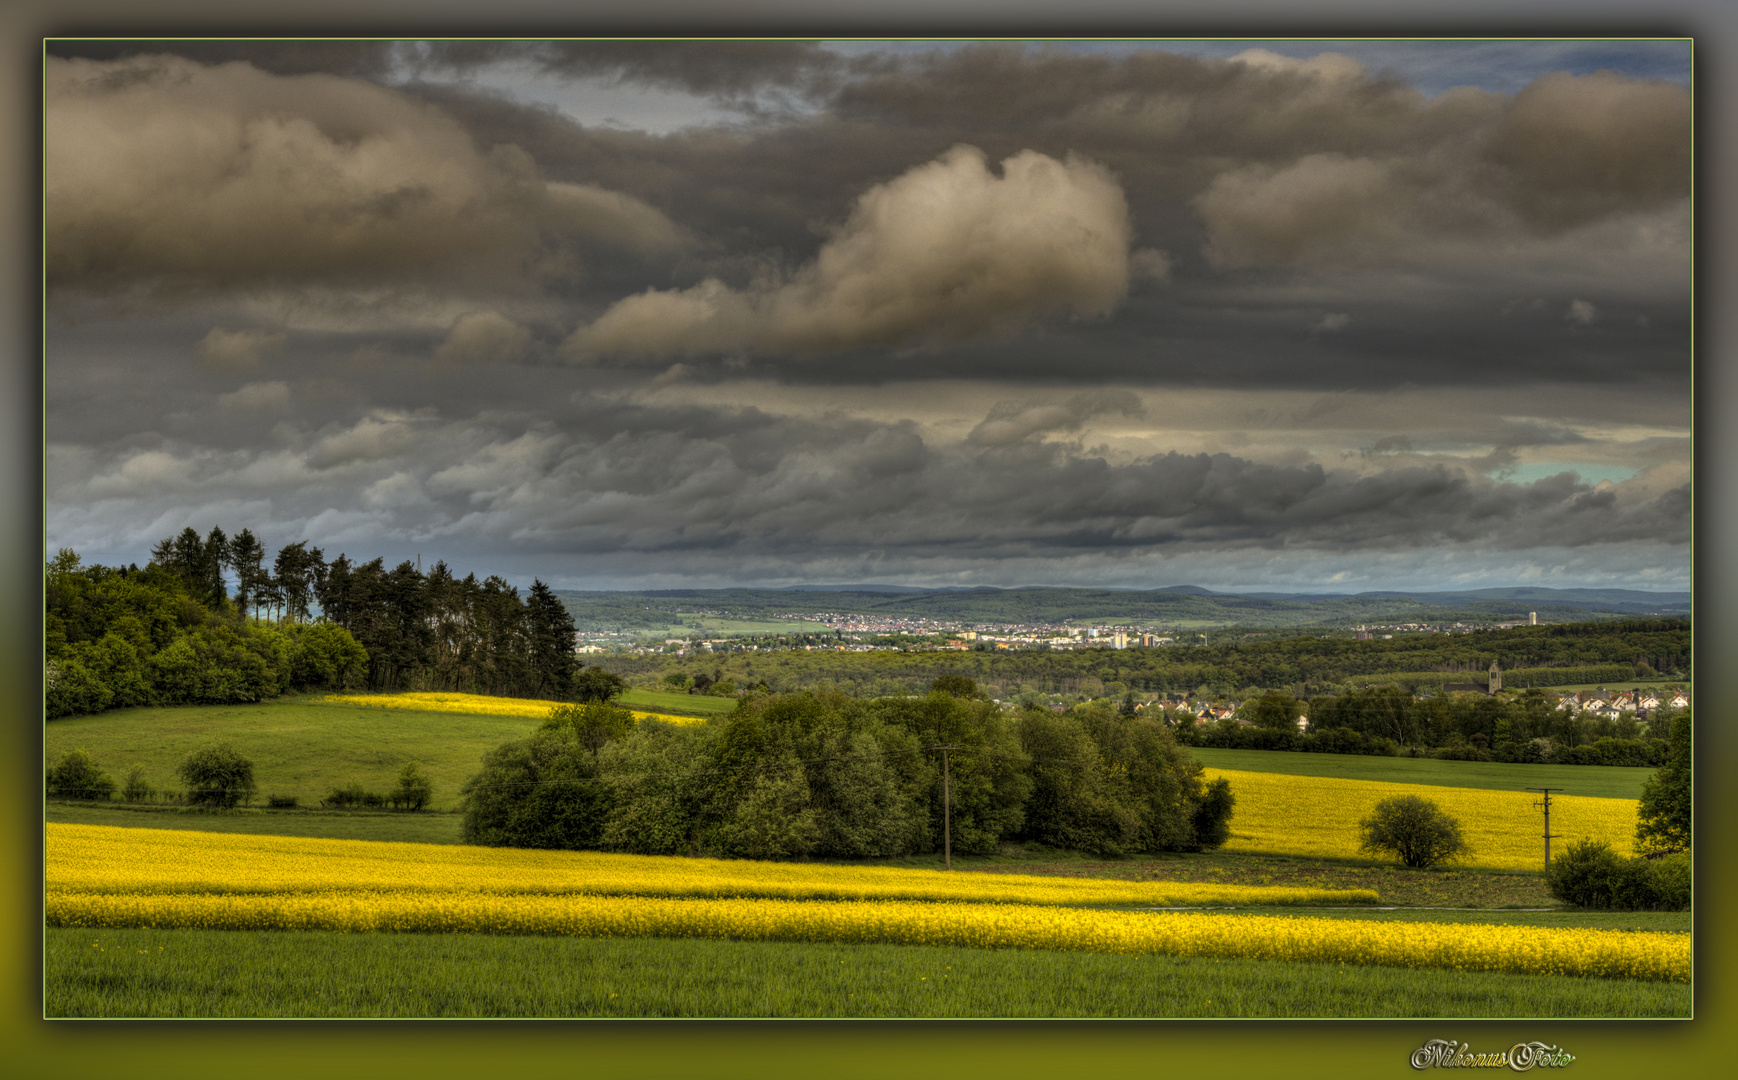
{"points": [[1347, 315]]}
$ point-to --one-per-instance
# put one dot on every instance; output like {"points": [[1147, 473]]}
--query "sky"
{"points": [[1246, 315]]}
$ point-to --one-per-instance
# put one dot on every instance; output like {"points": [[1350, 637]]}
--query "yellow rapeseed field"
{"points": [[113, 877], [478, 705], [1309, 815], [104, 859], [1607, 954]]}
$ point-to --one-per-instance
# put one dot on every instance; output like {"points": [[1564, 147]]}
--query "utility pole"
{"points": [[946, 805], [1545, 805]]}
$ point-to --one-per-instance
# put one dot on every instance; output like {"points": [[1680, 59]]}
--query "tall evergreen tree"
{"points": [[549, 627], [247, 559]]}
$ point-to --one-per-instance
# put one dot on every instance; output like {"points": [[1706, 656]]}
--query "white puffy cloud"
{"points": [[947, 252]]}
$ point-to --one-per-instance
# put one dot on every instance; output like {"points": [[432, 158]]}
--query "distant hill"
{"points": [[1177, 604]]}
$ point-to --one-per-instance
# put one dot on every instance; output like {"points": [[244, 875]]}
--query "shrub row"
{"points": [[217, 776], [1591, 875]]}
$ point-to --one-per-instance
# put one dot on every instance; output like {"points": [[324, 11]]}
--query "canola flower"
{"points": [[1319, 816], [1607, 954], [102, 877], [108, 860], [479, 705]]}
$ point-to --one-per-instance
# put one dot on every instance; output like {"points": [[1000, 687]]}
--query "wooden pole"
{"points": [[1545, 805], [947, 816]]}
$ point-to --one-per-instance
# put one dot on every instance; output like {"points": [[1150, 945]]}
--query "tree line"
{"points": [[422, 631], [116, 637], [824, 775], [208, 620], [1385, 720]]}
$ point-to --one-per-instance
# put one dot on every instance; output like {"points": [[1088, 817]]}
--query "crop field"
{"points": [[89, 860], [130, 878], [314, 973], [475, 705], [1318, 816], [1594, 781], [1290, 919]]}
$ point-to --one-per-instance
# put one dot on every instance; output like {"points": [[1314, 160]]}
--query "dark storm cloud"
{"points": [[1275, 192], [623, 480], [728, 69], [161, 171], [361, 59]]}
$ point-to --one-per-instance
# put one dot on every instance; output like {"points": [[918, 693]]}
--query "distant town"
{"points": [[856, 632]]}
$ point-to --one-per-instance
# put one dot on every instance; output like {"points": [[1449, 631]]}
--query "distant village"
{"points": [[846, 632]]}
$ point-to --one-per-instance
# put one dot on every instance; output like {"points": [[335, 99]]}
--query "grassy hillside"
{"points": [[298, 747]]}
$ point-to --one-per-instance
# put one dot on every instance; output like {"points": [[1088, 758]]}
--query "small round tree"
{"points": [[217, 776], [77, 777], [1414, 829]]}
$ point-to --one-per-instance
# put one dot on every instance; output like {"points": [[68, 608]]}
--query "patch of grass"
{"points": [[193, 973], [677, 702], [1593, 781], [397, 827]]}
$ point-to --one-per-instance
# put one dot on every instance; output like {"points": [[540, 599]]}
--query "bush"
{"points": [[217, 776], [1589, 874], [1672, 881], [137, 790], [1414, 829], [77, 777], [282, 802], [537, 793], [344, 797], [413, 789]]}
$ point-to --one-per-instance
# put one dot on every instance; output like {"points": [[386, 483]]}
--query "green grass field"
{"points": [[298, 747], [196, 973], [1595, 781], [424, 827]]}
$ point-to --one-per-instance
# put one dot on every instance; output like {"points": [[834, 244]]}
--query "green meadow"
{"points": [[211, 973]]}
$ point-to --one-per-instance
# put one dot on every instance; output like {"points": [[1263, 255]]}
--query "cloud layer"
{"points": [[980, 313]]}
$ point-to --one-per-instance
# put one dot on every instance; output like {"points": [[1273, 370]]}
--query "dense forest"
{"points": [[174, 632], [829, 776], [1537, 656]]}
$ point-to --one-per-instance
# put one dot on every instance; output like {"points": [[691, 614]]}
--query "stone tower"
{"points": [[1496, 677]]}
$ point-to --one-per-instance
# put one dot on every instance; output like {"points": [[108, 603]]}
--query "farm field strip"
{"points": [[1599, 781], [1318, 816], [314, 973], [1606, 954], [94, 859], [478, 705]]}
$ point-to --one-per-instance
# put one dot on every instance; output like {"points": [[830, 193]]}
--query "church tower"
{"points": [[1496, 677]]}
